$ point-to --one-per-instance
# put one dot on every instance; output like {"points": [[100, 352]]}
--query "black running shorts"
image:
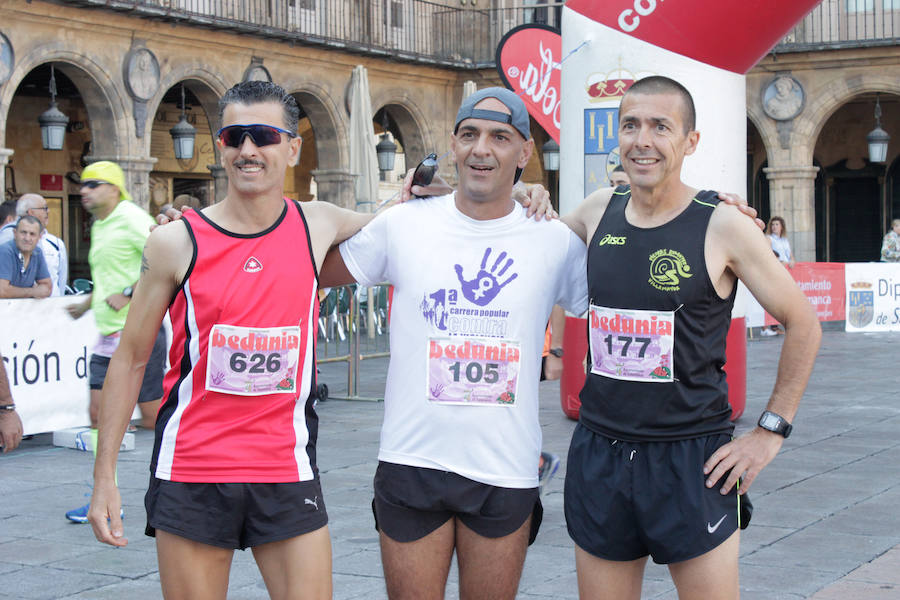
{"points": [[411, 502], [234, 515], [152, 385], [625, 500]]}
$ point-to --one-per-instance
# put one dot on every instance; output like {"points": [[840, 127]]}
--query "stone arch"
{"points": [[205, 85], [765, 129], [102, 97], [417, 140], [332, 150], [840, 91]]}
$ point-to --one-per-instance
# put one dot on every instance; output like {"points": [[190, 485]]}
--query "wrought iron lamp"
{"points": [[53, 122], [183, 135], [878, 138]]}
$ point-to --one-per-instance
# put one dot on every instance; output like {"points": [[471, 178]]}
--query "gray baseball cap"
{"points": [[518, 116]]}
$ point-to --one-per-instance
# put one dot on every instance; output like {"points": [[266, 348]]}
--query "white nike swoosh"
{"points": [[712, 528]]}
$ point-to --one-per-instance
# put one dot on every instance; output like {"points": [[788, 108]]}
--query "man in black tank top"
{"points": [[652, 469]]}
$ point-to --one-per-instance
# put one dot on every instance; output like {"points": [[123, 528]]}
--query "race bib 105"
{"points": [[473, 371]]}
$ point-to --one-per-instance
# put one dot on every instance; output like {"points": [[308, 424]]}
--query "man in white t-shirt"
{"points": [[474, 282], [54, 249]]}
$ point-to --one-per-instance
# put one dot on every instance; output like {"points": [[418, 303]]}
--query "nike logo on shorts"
{"points": [[712, 528]]}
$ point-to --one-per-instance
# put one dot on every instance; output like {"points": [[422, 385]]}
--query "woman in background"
{"points": [[777, 231]]}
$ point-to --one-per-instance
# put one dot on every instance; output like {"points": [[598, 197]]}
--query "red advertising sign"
{"points": [[729, 35], [51, 183], [823, 284], [527, 59]]}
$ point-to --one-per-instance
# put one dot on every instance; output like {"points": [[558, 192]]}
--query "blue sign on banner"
{"points": [[601, 147]]}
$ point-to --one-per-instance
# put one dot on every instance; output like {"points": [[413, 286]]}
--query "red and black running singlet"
{"points": [[238, 398]]}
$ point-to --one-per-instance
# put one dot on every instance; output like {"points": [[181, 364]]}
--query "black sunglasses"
{"points": [[262, 135], [93, 184], [424, 173]]}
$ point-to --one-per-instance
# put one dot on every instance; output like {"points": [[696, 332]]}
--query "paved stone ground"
{"points": [[824, 524]]}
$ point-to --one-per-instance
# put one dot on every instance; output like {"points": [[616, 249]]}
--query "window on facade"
{"points": [[303, 4], [891, 5], [858, 6], [396, 14]]}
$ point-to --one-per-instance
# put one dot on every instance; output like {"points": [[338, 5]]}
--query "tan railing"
{"points": [[415, 30], [845, 23], [353, 326]]}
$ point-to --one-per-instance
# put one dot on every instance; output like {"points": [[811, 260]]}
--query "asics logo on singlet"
{"points": [[612, 240], [253, 265], [667, 269]]}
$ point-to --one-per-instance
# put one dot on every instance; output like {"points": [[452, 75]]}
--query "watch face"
{"points": [[770, 421]]}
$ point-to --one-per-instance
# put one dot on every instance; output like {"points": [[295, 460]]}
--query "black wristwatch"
{"points": [[775, 423], [557, 352], [128, 291]]}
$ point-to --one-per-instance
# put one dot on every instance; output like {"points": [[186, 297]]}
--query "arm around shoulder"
{"points": [[586, 216]]}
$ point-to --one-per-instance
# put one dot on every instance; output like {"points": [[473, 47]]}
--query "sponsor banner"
{"points": [[873, 296], [823, 284], [527, 58], [46, 354], [728, 35]]}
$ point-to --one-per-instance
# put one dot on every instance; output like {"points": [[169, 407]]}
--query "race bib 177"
{"points": [[633, 345]]}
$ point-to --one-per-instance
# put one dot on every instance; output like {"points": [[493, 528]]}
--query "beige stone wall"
{"points": [[91, 46]]}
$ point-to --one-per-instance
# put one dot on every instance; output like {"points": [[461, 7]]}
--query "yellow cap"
{"points": [[109, 172]]}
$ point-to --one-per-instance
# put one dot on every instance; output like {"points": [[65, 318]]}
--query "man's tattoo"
{"points": [[145, 264]]}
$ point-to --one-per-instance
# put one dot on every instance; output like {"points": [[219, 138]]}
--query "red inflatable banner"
{"points": [[729, 35], [527, 59]]}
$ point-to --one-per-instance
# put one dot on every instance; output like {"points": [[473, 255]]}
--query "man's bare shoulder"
{"points": [[585, 218], [169, 249]]}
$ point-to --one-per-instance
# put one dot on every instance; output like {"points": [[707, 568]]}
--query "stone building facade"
{"points": [[120, 73]]}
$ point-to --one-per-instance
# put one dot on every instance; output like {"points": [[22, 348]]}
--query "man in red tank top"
{"points": [[235, 436]]}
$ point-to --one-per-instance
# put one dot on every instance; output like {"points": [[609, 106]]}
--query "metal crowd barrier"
{"points": [[353, 327]]}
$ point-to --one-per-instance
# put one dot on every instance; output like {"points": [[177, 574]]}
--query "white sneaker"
{"points": [[768, 332]]}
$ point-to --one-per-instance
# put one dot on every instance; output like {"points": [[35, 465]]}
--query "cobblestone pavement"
{"points": [[824, 524]]}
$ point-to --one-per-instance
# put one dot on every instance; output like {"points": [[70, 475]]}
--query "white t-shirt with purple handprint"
{"points": [[470, 306]]}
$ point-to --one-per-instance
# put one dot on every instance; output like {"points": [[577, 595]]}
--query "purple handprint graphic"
{"points": [[486, 284]]}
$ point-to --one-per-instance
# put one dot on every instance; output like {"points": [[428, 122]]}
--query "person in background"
{"points": [[7, 216], [23, 271], [777, 234], [118, 234], [52, 247], [890, 247], [551, 369], [10, 423], [619, 177]]}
